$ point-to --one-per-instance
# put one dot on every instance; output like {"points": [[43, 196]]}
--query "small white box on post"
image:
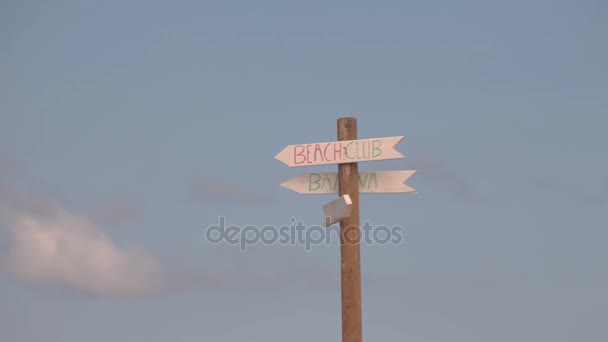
{"points": [[337, 209]]}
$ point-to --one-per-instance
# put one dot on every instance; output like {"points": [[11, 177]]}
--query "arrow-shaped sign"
{"points": [[369, 182], [338, 152], [337, 209]]}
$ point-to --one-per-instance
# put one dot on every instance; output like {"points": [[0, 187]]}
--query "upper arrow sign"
{"points": [[338, 152], [369, 182]]}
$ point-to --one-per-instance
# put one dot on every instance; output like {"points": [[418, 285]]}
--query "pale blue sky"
{"points": [[504, 109]]}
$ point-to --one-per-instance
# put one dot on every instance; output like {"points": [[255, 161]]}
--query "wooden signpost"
{"points": [[347, 151]]}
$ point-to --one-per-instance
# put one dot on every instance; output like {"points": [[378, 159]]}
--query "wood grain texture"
{"points": [[348, 184]]}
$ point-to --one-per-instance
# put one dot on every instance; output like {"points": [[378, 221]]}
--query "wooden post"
{"points": [[348, 184]]}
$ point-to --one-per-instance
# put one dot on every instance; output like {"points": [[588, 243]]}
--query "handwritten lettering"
{"points": [[346, 150], [318, 154], [365, 181], [363, 149], [376, 148], [317, 182], [324, 182], [313, 153], [298, 151], [337, 151]]}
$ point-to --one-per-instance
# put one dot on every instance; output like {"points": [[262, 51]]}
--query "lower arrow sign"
{"points": [[369, 182], [337, 209]]}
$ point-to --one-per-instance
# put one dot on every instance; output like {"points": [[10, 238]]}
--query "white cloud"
{"points": [[68, 252]]}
